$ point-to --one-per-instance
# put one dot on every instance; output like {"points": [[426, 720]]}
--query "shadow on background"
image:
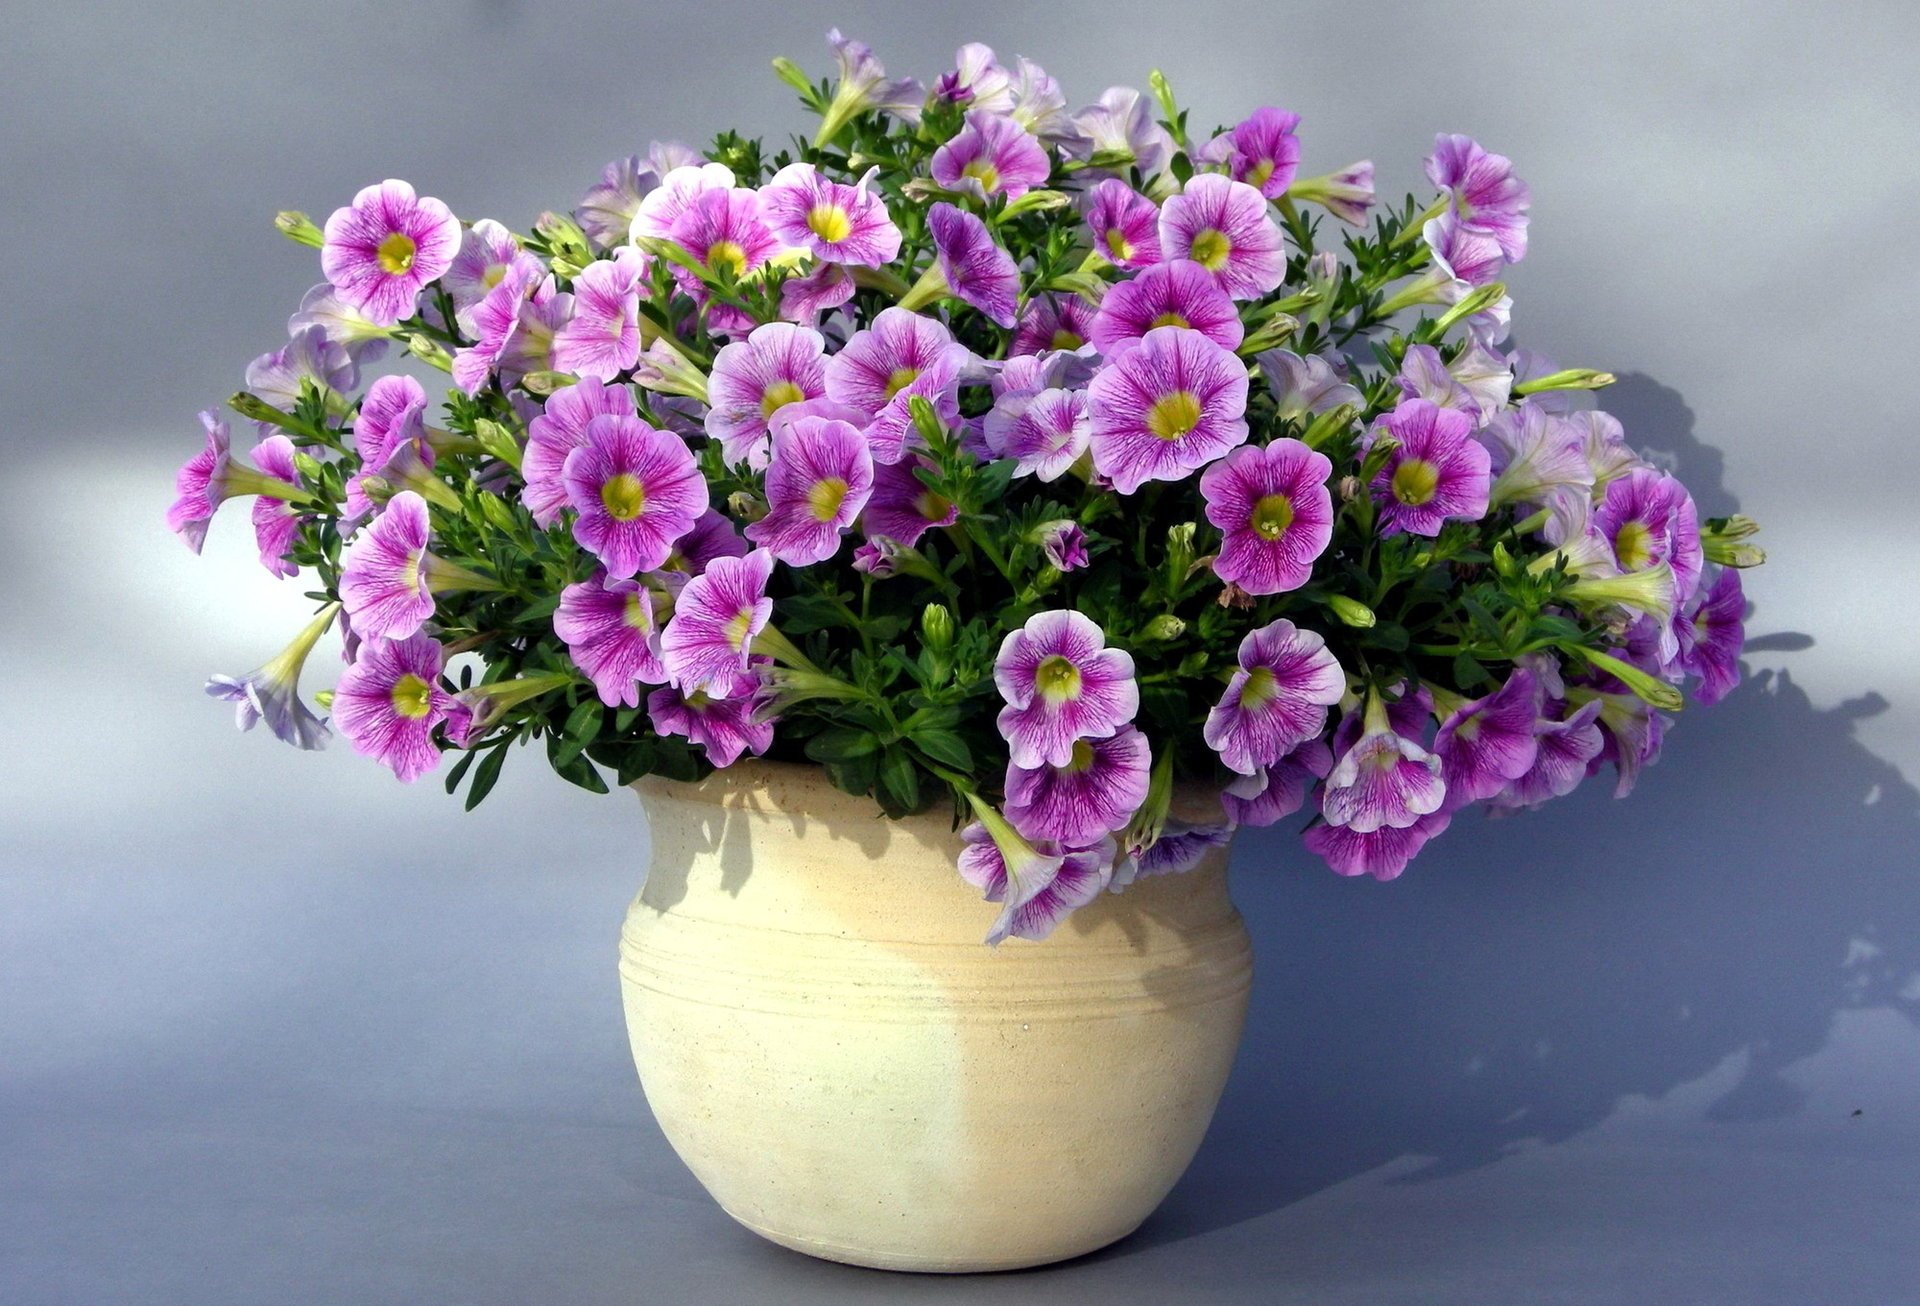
{"points": [[1528, 974]]}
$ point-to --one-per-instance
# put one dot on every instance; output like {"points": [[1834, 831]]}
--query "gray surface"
{"points": [[360, 1048]]}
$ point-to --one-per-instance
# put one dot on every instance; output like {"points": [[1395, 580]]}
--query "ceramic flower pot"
{"points": [[851, 1073]]}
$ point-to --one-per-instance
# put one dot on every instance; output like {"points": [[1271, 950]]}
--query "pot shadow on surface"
{"points": [[1528, 974]]}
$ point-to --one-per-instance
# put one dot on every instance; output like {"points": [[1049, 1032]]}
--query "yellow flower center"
{"points": [[1082, 756], [396, 252], [778, 396], [494, 275], [412, 697], [636, 615], [1057, 679], [983, 172], [932, 506], [1415, 481], [900, 378], [623, 496], [1468, 728], [825, 498], [1210, 249], [1633, 546], [1169, 318], [829, 222], [1258, 174], [1118, 245], [1262, 687], [1065, 339], [739, 628], [1272, 515], [1174, 414], [727, 258]]}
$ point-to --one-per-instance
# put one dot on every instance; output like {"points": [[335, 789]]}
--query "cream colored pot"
{"points": [[847, 1068]]}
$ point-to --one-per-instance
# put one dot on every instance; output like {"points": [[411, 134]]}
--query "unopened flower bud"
{"points": [[254, 408], [1164, 627], [1573, 378], [545, 383], [1351, 612], [746, 506], [429, 351], [1349, 488], [298, 228], [936, 627]]}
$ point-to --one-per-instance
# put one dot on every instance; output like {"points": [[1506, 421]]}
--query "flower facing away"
{"points": [[971, 265], [1563, 750], [1180, 293], [778, 364], [636, 489], [991, 156], [725, 728], [310, 357], [1261, 151], [385, 247], [1274, 512], [834, 222], [388, 577], [609, 628], [817, 483], [272, 693], [1280, 790], [1484, 195], [1384, 779], [708, 643], [1062, 684], [1382, 853], [213, 476], [275, 521], [1487, 744], [390, 701], [1037, 887], [1226, 227], [1436, 474], [1304, 386], [1121, 124], [1711, 636], [1277, 700], [1094, 794], [1168, 406], [1052, 322]]}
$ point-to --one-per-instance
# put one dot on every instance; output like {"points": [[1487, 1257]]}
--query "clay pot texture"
{"points": [[852, 1073]]}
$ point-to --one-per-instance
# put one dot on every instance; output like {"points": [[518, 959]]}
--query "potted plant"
{"points": [[978, 500]]}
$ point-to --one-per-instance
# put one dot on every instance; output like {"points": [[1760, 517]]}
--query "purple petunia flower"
{"points": [[558, 431], [1096, 793], [1347, 193], [636, 489], [991, 155], [1277, 700], [388, 576], [817, 483], [1179, 293], [713, 536], [977, 271], [724, 727], [903, 507], [383, 249], [1045, 431], [493, 322], [1051, 322], [1064, 544], [310, 356], [1121, 123], [1478, 381], [1710, 636], [1437, 471], [1261, 151], [1124, 224], [602, 338], [1603, 440], [1180, 848], [1487, 744], [834, 222], [1172, 403], [1226, 227], [1486, 197], [389, 702], [344, 325], [1303, 387], [272, 692], [977, 80], [607, 210], [707, 644], [1036, 887], [1383, 853], [211, 477], [1533, 453], [609, 629], [779, 364], [1383, 779], [488, 252], [530, 347], [1649, 518], [1563, 750], [679, 187], [901, 355], [275, 521], [1280, 790], [1467, 255], [863, 85], [722, 230], [804, 298], [1274, 512], [1062, 684]]}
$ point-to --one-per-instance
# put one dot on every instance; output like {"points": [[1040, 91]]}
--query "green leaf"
{"points": [[582, 725], [459, 771], [486, 774], [1468, 673], [841, 744], [899, 781], [537, 611], [944, 747]]}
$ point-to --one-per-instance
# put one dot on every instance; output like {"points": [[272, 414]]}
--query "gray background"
{"points": [[273, 1028]]}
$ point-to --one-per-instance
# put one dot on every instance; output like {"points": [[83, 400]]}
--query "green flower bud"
{"points": [[1351, 612], [298, 228], [429, 351], [936, 627], [1164, 627], [545, 383], [1573, 378]]}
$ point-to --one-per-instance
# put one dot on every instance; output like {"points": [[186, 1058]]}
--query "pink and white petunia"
{"points": [[817, 483], [211, 477], [558, 431], [380, 251], [1564, 749], [1383, 779], [636, 489], [275, 521], [1382, 853], [488, 252], [1044, 431], [343, 324], [723, 232], [1274, 792], [389, 702], [723, 727], [1172, 403], [709, 641], [1037, 887], [1437, 472], [1485, 195], [493, 321], [388, 576], [602, 338], [609, 628], [1061, 684], [831, 220], [1465, 254], [821, 290], [1051, 322], [990, 156], [901, 355], [902, 507], [531, 346], [1261, 151], [713, 536], [310, 357], [1278, 698], [1274, 512], [977, 81], [605, 213], [777, 365], [1094, 794], [976, 270], [1487, 744], [1227, 228], [679, 187], [1180, 847], [1179, 293], [1124, 224]]}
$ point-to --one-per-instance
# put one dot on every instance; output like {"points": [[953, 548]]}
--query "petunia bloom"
{"points": [[1051, 322], [723, 727], [388, 576], [752, 379], [1533, 453], [1036, 887], [1437, 471], [990, 156], [607, 210], [902, 507], [1277, 699], [1711, 636], [213, 476], [1178, 293], [1173, 403], [1227, 228], [1383, 779], [272, 693], [863, 86], [558, 431], [1061, 684], [1563, 750], [713, 536], [380, 251], [1347, 193], [1485, 196], [389, 702], [1124, 224], [310, 357], [636, 489], [1063, 544], [977, 80], [1044, 431], [1280, 790], [610, 633], [678, 189], [1095, 793], [831, 220], [708, 643], [1382, 853], [602, 338], [493, 321], [1274, 512], [1487, 744], [1261, 151], [723, 231], [1303, 387], [817, 483], [971, 265], [1649, 518], [488, 251], [901, 355], [276, 521], [1122, 123]]}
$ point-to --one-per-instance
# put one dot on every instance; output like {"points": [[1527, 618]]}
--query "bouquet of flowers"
{"points": [[985, 454]]}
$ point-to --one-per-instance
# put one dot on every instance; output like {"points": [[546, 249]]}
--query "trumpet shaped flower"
{"points": [[1062, 684], [382, 250], [636, 491]]}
